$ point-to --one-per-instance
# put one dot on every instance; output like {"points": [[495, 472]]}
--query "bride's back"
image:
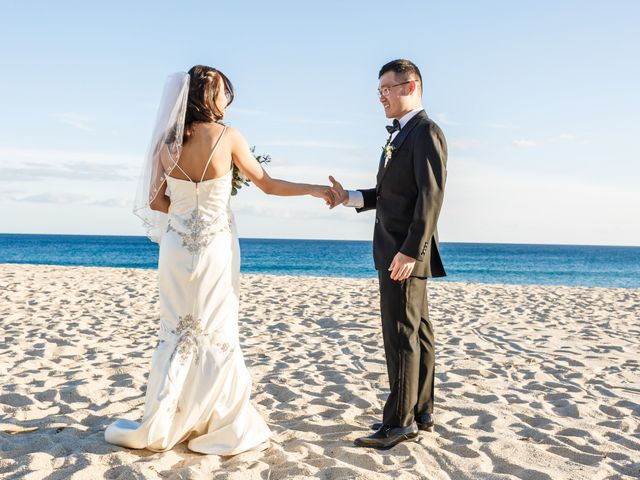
{"points": [[197, 150]]}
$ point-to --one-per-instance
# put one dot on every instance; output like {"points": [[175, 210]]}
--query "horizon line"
{"points": [[333, 240]]}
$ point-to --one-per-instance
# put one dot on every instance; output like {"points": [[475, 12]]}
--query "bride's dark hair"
{"points": [[204, 85]]}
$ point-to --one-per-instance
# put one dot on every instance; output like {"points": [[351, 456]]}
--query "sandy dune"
{"points": [[532, 382]]}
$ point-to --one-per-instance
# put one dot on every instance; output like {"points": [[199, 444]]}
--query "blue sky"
{"points": [[538, 100]]}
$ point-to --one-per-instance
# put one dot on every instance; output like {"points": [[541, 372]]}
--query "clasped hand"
{"points": [[333, 195], [338, 194]]}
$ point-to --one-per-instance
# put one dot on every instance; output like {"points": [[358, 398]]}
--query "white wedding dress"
{"points": [[199, 387]]}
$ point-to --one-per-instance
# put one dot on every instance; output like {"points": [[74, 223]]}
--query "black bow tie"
{"points": [[393, 128]]}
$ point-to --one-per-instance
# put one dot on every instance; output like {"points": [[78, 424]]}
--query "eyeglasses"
{"points": [[385, 91], [228, 90]]}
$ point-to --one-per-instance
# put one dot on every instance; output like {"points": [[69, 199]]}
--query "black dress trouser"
{"points": [[409, 348]]}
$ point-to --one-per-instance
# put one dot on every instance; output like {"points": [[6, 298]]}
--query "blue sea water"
{"points": [[465, 262]]}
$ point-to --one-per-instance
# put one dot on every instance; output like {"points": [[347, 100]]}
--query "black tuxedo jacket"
{"points": [[408, 197]]}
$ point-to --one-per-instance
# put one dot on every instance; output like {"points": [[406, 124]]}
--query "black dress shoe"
{"points": [[387, 437], [424, 421]]}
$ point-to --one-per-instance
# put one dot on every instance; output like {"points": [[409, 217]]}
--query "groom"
{"points": [[407, 199]]}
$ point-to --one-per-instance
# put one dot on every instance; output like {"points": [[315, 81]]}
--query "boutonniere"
{"points": [[388, 150]]}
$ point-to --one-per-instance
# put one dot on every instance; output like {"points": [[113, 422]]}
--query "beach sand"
{"points": [[532, 382]]}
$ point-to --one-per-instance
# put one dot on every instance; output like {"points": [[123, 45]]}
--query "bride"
{"points": [[199, 387]]}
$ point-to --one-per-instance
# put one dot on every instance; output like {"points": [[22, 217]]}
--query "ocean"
{"points": [[571, 265]]}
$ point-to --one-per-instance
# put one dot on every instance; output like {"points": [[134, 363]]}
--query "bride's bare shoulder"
{"points": [[233, 132], [235, 137]]}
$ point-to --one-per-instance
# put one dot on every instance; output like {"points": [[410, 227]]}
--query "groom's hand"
{"points": [[340, 195], [401, 267]]}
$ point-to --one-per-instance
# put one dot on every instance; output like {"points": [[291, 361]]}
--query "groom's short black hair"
{"points": [[402, 66]]}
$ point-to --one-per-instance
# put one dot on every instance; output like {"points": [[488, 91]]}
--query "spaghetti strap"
{"points": [[175, 164], [184, 173], [215, 147]]}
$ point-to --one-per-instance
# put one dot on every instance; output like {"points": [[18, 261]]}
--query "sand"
{"points": [[532, 382]]}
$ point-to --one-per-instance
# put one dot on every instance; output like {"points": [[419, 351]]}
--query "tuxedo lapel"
{"points": [[397, 143]]}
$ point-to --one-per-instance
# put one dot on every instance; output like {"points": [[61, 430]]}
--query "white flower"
{"points": [[388, 150]]}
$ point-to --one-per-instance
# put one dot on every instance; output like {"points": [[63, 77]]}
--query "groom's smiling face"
{"points": [[399, 94], [392, 102]]}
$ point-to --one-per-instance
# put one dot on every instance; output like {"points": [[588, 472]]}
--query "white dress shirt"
{"points": [[355, 197]]}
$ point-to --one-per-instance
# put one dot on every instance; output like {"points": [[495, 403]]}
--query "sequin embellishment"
{"points": [[198, 235], [190, 334], [188, 329]]}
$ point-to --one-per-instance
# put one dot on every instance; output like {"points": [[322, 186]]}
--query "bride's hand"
{"points": [[322, 191]]}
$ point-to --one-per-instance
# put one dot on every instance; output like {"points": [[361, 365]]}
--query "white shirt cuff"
{"points": [[355, 199]]}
